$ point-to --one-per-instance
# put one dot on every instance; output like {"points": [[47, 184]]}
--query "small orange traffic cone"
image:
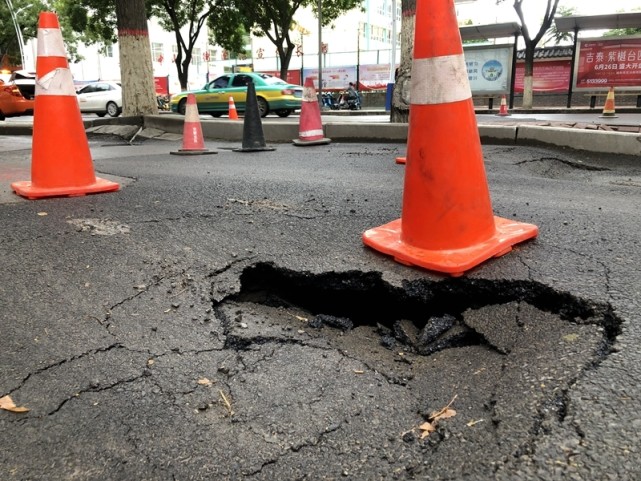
{"points": [[310, 127], [193, 141], [61, 163], [608, 108], [401, 160], [447, 224], [503, 108], [233, 114]]}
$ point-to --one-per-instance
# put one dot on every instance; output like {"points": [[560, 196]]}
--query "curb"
{"points": [[623, 143]]}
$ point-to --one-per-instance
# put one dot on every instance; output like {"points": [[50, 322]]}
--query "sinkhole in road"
{"points": [[420, 316]]}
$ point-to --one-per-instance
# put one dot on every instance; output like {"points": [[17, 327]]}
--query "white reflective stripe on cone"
{"points": [[50, 43], [439, 80], [191, 113], [309, 94], [310, 133], [57, 82]]}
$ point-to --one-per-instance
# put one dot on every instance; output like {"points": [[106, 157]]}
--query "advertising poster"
{"points": [[334, 78], [488, 69], [604, 63], [549, 76], [374, 77]]}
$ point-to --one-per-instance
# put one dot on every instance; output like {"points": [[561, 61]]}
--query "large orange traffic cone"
{"points": [[193, 141], [503, 108], [608, 108], [233, 114], [310, 127], [61, 163], [447, 223]]}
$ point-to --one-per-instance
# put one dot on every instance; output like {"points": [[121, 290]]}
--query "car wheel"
{"points": [[182, 106], [1, 116], [283, 112], [216, 114], [101, 114], [112, 109], [263, 106]]}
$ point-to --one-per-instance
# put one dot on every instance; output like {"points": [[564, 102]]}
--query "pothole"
{"points": [[420, 317], [509, 352]]}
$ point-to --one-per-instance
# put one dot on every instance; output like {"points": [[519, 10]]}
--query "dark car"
{"points": [[272, 93], [17, 94]]}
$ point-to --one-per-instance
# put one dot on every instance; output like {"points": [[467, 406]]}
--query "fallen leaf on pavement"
{"points": [[473, 422], [430, 425], [205, 382], [7, 404], [444, 413], [426, 429]]}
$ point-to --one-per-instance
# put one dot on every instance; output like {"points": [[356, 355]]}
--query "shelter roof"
{"points": [[598, 22], [497, 30]]}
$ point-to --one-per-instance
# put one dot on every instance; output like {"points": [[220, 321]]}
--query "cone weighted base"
{"points": [[28, 190], [193, 152], [387, 239], [254, 149], [302, 143]]}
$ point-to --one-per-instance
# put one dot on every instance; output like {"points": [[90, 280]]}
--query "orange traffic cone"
{"points": [[447, 223], [233, 114], [503, 108], [61, 163], [608, 108], [401, 160], [310, 127], [193, 141]]}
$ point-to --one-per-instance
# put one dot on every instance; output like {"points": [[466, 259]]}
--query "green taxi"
{"points": [[273, 95]]}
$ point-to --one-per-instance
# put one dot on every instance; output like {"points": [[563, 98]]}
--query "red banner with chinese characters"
{"points": [[549, 76], [609, 63], [162, 85]]}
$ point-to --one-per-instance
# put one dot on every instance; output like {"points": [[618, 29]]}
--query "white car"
{"points": [[101, 98]]}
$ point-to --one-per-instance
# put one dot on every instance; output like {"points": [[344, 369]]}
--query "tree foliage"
{"points": [[554, 35], [275, 20]]}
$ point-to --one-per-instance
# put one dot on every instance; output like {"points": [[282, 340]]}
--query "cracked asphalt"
{"points": [[220, 318]]}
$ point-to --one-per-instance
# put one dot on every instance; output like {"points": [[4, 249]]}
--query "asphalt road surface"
{"points": [[220, 318]]}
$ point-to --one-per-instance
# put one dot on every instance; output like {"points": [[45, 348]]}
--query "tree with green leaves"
{"points": [[96, 19], [531, 43], [554, 35], [275, 20]]}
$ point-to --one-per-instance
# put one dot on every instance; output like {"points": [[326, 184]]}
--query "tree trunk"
{"points": [[136, 72], [528, 76], [401, 94]]}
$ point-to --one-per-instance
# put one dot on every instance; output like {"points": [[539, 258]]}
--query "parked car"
{"points": [[17, 94], [101, 98], [272, 93]]}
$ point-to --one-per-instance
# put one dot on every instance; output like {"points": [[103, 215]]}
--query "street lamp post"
{"points": [[18, 33]]}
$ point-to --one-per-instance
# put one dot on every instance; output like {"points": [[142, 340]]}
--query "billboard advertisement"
{"points": [[334, 78], [489, 69], [549, 77], [608, 62]]}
